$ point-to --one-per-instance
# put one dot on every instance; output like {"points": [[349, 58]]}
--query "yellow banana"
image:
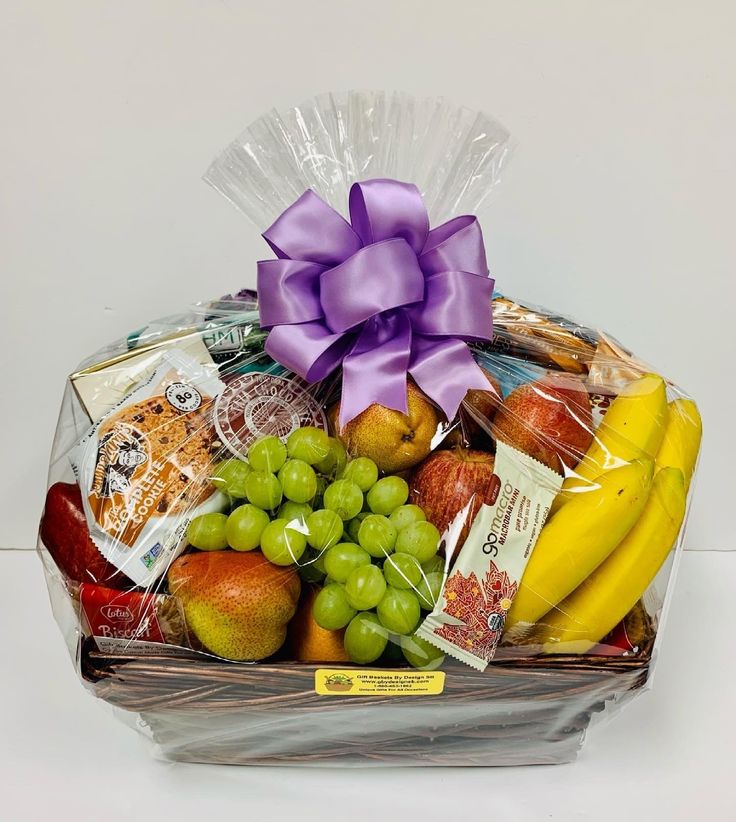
{"points": [[612, 590], [682, 437], [633, 427], [579, 537]]}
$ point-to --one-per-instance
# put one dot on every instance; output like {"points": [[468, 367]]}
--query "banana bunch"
{"points": [[613, 523]]}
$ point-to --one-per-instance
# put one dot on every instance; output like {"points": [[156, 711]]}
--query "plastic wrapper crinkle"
{"points": [[378, 512]]}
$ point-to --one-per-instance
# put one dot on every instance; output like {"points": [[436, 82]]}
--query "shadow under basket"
{"points": [[530, 710]]}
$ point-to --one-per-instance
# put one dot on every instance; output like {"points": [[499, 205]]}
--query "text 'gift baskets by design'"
{"points": [[378, 512]]}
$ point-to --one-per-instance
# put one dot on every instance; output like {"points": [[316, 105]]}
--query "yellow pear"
{"points": [[394, 441], [236, 604]]}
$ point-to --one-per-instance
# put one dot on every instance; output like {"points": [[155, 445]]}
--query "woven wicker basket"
{"points": [[519, 711]]}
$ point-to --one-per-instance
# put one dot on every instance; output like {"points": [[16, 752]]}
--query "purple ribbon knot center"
{"points": [[382, 295]]}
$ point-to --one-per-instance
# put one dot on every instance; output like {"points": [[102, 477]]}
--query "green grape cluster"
{"points": [[302, 502], [383, 572], [273, 495]]}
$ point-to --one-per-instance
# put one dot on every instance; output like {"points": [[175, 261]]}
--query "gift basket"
{"points": [[377, 512]]}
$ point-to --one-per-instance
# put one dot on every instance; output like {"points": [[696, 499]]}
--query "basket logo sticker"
{"points": [[338, 682], [366, 682], [257, 404]]}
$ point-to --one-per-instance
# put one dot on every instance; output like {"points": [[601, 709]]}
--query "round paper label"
{"points": [[183, 397], [258, 404]]}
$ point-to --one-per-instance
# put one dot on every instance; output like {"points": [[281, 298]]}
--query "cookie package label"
{"points": [[468, 619], [366, 682], [258, 403], [143, 467]]}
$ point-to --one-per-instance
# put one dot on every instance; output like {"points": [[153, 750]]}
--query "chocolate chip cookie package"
{"points": [[376, 511]]}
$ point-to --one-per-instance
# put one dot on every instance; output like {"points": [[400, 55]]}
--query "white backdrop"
{"points": [[617, 207]]}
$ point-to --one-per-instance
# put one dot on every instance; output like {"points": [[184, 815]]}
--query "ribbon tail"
{"points": [[445, 370], [375, 370]]}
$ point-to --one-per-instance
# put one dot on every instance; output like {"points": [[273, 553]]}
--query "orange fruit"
{"points": [[309, 642]]}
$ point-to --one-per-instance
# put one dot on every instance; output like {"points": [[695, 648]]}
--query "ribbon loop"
{"points": [[382, 297], [308, 350], [311, 230], [450, 306], [378, 278], [288, 292], [381, 209], [456, 245]]}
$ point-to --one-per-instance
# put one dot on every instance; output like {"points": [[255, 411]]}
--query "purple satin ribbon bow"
{"points": [[384, 297]]}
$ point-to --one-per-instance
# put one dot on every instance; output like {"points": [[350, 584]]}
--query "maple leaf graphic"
{"points": [[481, 608]]}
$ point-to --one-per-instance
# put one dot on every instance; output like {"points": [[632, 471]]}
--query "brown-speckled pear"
{"points": [[394, 441], [236, 604]]}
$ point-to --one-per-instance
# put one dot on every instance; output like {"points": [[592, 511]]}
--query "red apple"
{"points": [[477, 410], [65, 534], [454, 484], [549, 419]]}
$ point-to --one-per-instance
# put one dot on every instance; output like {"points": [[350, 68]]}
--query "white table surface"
{"points": [[668, 756]]}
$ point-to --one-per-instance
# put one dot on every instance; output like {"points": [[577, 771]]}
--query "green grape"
{"points": [[377, 535], [362, 471], [330, 581], [334, 462], [267, 454], [402, 571], [399, 611], [331, 609], [387, 494], [365, 638], [294, 511], [324, 529], [207, 532], [230, 476], [344, 498], [420, 539], [344, 557], [428, 590], [406, 515], [264, 490], [309, 444], [434, 565], [353, 526], [298, 481], [365, 587], [282, 545], [245, 526], [421, 654]]}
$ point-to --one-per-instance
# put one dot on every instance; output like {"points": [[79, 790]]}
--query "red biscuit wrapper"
{"points": [[117, 619]]}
